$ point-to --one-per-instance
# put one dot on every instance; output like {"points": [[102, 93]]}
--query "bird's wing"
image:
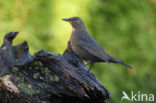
{"points": [[90, 45]]}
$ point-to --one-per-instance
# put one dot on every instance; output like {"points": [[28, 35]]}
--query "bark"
{"points": [[45, 77]]}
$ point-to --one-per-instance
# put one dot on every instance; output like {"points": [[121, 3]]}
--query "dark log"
{"points": [[45, 77]]}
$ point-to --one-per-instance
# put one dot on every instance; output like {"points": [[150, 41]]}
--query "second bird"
{"points": [[85, 47]]}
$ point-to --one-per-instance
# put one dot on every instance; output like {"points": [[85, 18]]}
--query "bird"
{"points": [[84, 45]]}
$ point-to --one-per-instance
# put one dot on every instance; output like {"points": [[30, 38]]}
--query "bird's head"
{"points": [[76, 22]]}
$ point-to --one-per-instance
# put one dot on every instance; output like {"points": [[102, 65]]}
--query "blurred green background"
{"points": [[126, 29]]}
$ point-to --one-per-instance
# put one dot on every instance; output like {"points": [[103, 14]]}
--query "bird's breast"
{"points": [[77, 48]]}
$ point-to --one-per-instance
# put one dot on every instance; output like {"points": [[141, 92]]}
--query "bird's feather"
{"points": [[90, 45]]}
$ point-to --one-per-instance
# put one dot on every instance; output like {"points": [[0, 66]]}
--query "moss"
{"points": [[41, 78], [36, 75], [29, 86], [38, 72], [48, 95], [53, 78], [56, 78], [30, 68], [48, 75], [28, 89], [40, 85], [24, 72], [46, 71], [36, 67], [15, 70], [17, 79], [38, 63]]}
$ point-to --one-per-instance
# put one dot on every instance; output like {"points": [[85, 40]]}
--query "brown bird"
{"points": [[85, 47]]}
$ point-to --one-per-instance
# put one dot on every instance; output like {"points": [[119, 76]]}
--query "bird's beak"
{"points": [[66, 19]]}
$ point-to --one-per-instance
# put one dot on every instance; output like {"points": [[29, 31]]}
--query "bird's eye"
{"points": [[72, 19]]}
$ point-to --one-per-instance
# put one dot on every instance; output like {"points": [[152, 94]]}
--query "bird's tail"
{"points": [[119, 61]]}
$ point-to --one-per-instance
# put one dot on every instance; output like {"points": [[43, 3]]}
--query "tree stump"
{"points": [[45, 77]]}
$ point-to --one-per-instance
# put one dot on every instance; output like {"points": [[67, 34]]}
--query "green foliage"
{"points": [[125, 29]]}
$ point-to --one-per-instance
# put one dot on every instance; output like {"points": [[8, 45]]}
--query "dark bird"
{"points": [[85, 47]]}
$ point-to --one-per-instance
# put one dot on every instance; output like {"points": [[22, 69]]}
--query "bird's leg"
{"points": [[85, 65], [91, 65]]}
